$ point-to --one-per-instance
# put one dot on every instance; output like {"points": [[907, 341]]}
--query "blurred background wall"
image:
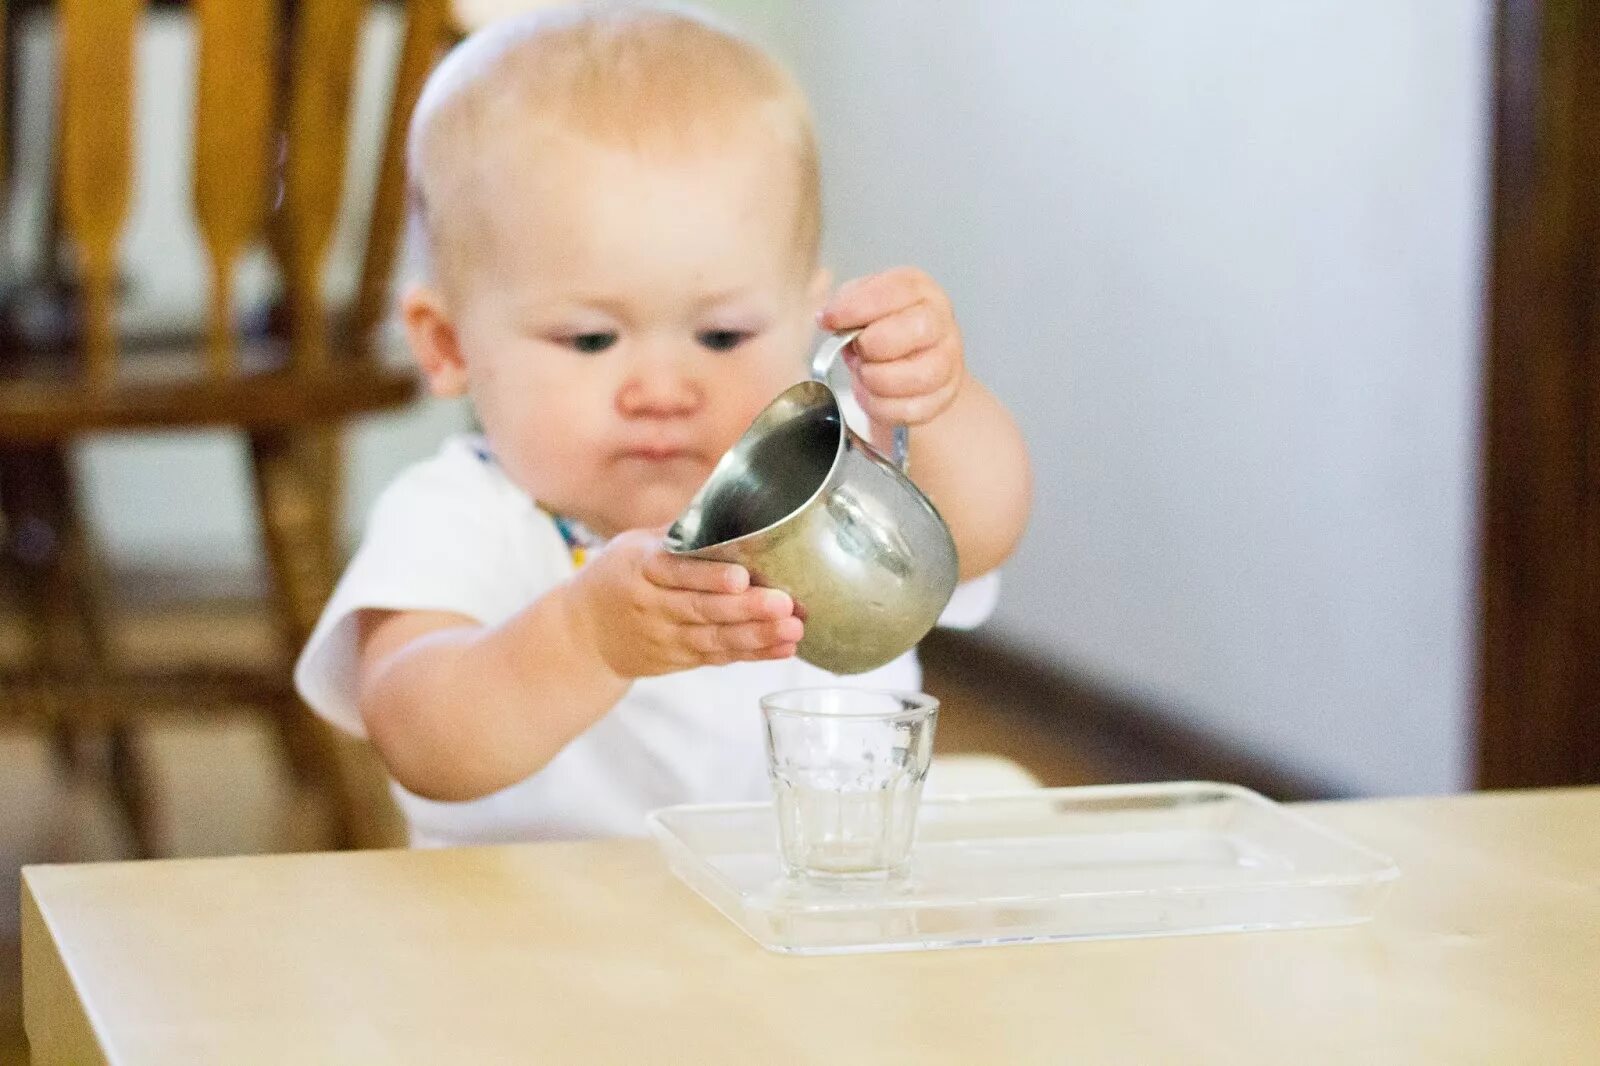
{"points": [[1220, 256], [1223, 258]]}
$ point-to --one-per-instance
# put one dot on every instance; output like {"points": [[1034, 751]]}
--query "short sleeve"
{"points": [[449, 534], [972, 602]]}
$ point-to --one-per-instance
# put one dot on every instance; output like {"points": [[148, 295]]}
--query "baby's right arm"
{"points": [[458, 710]]}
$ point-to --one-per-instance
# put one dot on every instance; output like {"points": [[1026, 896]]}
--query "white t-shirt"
{"points": [[453, 533]]}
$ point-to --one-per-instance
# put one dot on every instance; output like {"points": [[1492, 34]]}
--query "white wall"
{"points": [[1221, 256]]}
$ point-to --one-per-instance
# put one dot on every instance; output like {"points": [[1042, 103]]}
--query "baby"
{"points": [[620, 212]]}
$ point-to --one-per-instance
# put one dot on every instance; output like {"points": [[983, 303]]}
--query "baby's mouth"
{"points": [[659, 454]]}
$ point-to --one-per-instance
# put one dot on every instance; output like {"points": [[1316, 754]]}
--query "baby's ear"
{"points": [[433, 341]]}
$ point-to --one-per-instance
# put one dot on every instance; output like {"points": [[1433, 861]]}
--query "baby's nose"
{"points": [[660, 387]]}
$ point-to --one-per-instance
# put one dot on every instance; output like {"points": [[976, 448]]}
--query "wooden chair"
{"points": [[274, 85]]}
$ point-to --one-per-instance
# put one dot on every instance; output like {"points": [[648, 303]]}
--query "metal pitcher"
{"points": [[809, 507]]}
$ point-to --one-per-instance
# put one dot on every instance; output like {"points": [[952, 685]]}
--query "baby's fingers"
{"points": [[905, 332], [865, 300], [919, 374], [670, 571], [712, 608], [746, 640]]}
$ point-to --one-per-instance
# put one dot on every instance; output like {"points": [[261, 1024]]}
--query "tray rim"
{"points": [[1380, 868]]}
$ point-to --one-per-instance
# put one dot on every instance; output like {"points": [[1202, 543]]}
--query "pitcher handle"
{"points": [[822, 361]]}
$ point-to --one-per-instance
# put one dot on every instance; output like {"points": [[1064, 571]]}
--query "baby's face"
{"points": [[630, 320]]}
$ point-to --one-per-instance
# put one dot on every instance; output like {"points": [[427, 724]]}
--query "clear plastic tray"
{"points": [[1047, 864]]}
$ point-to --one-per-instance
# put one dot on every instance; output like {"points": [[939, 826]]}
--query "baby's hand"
{"points": [[652, 612], [907, 362]]}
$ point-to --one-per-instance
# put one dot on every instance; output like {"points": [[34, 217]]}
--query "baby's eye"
{"points": [[592, 343], [723, 340]]}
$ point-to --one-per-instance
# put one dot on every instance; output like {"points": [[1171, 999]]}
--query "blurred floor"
{"points": [[222, 790]]}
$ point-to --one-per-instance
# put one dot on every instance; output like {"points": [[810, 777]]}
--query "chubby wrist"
{"points": [[578, 620], [558, 632]]}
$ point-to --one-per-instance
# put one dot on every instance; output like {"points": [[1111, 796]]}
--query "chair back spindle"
{"points": [[97, 40], [322, 59], [233, 145], [275, 81], [427, 27]]}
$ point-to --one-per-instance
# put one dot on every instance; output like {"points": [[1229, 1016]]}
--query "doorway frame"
{"points": [[1539, 593]]}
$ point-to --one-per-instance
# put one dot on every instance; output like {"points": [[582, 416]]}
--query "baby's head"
{"points": [[619, 211]]}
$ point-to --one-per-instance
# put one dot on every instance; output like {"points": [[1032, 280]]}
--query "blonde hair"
{"points": [[646, 77]]}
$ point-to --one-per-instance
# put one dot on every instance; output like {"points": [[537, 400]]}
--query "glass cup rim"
{"points": [[921, 704]]}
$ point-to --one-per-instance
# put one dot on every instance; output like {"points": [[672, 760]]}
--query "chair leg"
{"points": [[59, 579], [296, 486], [130, 783], [67, 744], [45, 550]]}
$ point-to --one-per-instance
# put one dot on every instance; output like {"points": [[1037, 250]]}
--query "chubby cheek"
{"points": [[749, 400], [542, 447], [547, 462]]}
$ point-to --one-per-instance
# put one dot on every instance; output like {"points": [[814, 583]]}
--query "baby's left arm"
{"points": [[909, 368]]}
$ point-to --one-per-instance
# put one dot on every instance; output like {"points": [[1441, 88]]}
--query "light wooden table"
{"points": [[1487, 952]]}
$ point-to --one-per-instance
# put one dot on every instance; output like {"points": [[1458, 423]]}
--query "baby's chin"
{"points": [[661, 501], [614, 505], [648, 511]]}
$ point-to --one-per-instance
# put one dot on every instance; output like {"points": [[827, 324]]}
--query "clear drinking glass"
{"points": [[847, 768]]}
